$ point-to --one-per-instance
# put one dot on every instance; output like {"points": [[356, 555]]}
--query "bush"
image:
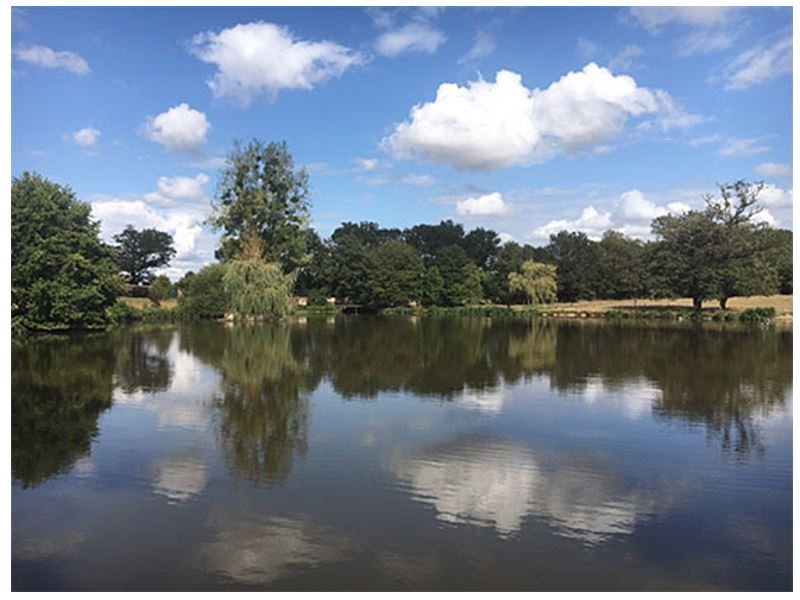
{"points": [[757, 315], [203, 294], [257, 289], [122, 313]]}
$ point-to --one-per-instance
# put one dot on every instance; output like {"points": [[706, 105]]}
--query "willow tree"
{"points": [[536, 280], [256, 288]]}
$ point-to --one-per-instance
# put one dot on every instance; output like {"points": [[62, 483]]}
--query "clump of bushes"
{"points": [[757, 315]]}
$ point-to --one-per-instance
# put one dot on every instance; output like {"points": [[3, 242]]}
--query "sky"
{"points": [[525, 121]]}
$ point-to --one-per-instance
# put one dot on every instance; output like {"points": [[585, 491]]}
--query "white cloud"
{"points": [[486, 205], [419, 38], [183, 188], [419, 180], [772, 196], [587, 49], [48, 58], [705, 42], [86, 137], [678, 207], [179, 129], [625, 58], [493, 125], [655, 18], [505, 238], [759, 64], [264, 58], [484, 45], [632, 214], [367, 164], [212, 162], [707, 139], [773, 170], [633, 206], [764, 216], [742, 147], [591, 222]]}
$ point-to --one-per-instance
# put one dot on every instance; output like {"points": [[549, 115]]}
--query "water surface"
{"points": [[403, 453]]}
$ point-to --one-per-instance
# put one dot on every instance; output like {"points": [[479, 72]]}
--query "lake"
{"points": [[404, 453]]}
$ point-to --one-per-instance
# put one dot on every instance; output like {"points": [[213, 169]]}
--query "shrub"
{"points": [[203, 294], [757, 315]]}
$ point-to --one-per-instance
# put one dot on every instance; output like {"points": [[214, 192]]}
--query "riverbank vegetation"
{"points": [[65, 277]]}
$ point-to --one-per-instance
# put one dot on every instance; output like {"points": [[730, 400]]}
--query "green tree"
{"points": [[432, 291], [472, 284], [715, 253], [203, 293], [622, 268], [451, 261], [509, 260], [261, 194], [396, 274], [62, 275], [257, 289], [139, 252], [575, 255], [778, 254], [536, 280], [430, 239], [160, 289], [350, 267]]}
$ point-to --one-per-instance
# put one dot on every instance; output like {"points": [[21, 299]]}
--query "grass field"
{"points": [[139, 303], [781, 304]]}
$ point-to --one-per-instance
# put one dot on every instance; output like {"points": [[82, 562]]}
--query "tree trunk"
{"points": [[723, 303], [697, 304]]}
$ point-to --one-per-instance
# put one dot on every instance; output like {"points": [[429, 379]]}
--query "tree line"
{"points": [[64, 276]]}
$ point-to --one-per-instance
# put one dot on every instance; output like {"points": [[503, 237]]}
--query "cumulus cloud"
{"points": [[42, 56], [419, 38], [183, 188], [264, 58], [484, 45], [631, 215], [772, 196], [86, 137], [482, 206], [773, 170], [179, 129], [759, 64], [176, 206], [493, 125], [591, 222], [655, 18]]}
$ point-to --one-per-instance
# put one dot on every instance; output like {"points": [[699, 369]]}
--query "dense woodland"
{"points": [[65, 277]]}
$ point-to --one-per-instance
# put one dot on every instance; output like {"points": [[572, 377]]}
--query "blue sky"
{"points": [[522, 120]]}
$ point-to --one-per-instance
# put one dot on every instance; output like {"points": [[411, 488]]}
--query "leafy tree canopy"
{"points": [[140, 252]]}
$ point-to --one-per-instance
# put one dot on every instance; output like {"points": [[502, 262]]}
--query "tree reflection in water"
{"points": [[263, 405], [59, 387], [726, 381]]}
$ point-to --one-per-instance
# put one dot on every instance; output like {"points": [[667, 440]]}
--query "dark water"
{"points": [[405, 453]]}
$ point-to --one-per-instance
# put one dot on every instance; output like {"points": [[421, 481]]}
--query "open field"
{"points": [[781, 304], [139, 303]]}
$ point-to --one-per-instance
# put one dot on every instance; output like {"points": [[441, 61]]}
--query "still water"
{"points": [[403, 453]]}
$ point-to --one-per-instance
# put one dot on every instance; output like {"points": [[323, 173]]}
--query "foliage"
{"points": [[471, 290], [432, 290], [395, 274], [161, 288], [203, 294], [257, 289], [576, 258], [62, 275], [757, 315], [262, 195], [715, 253], [139, 252], [622, 267], [536, 280], [122, 313], [349, 268]]}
